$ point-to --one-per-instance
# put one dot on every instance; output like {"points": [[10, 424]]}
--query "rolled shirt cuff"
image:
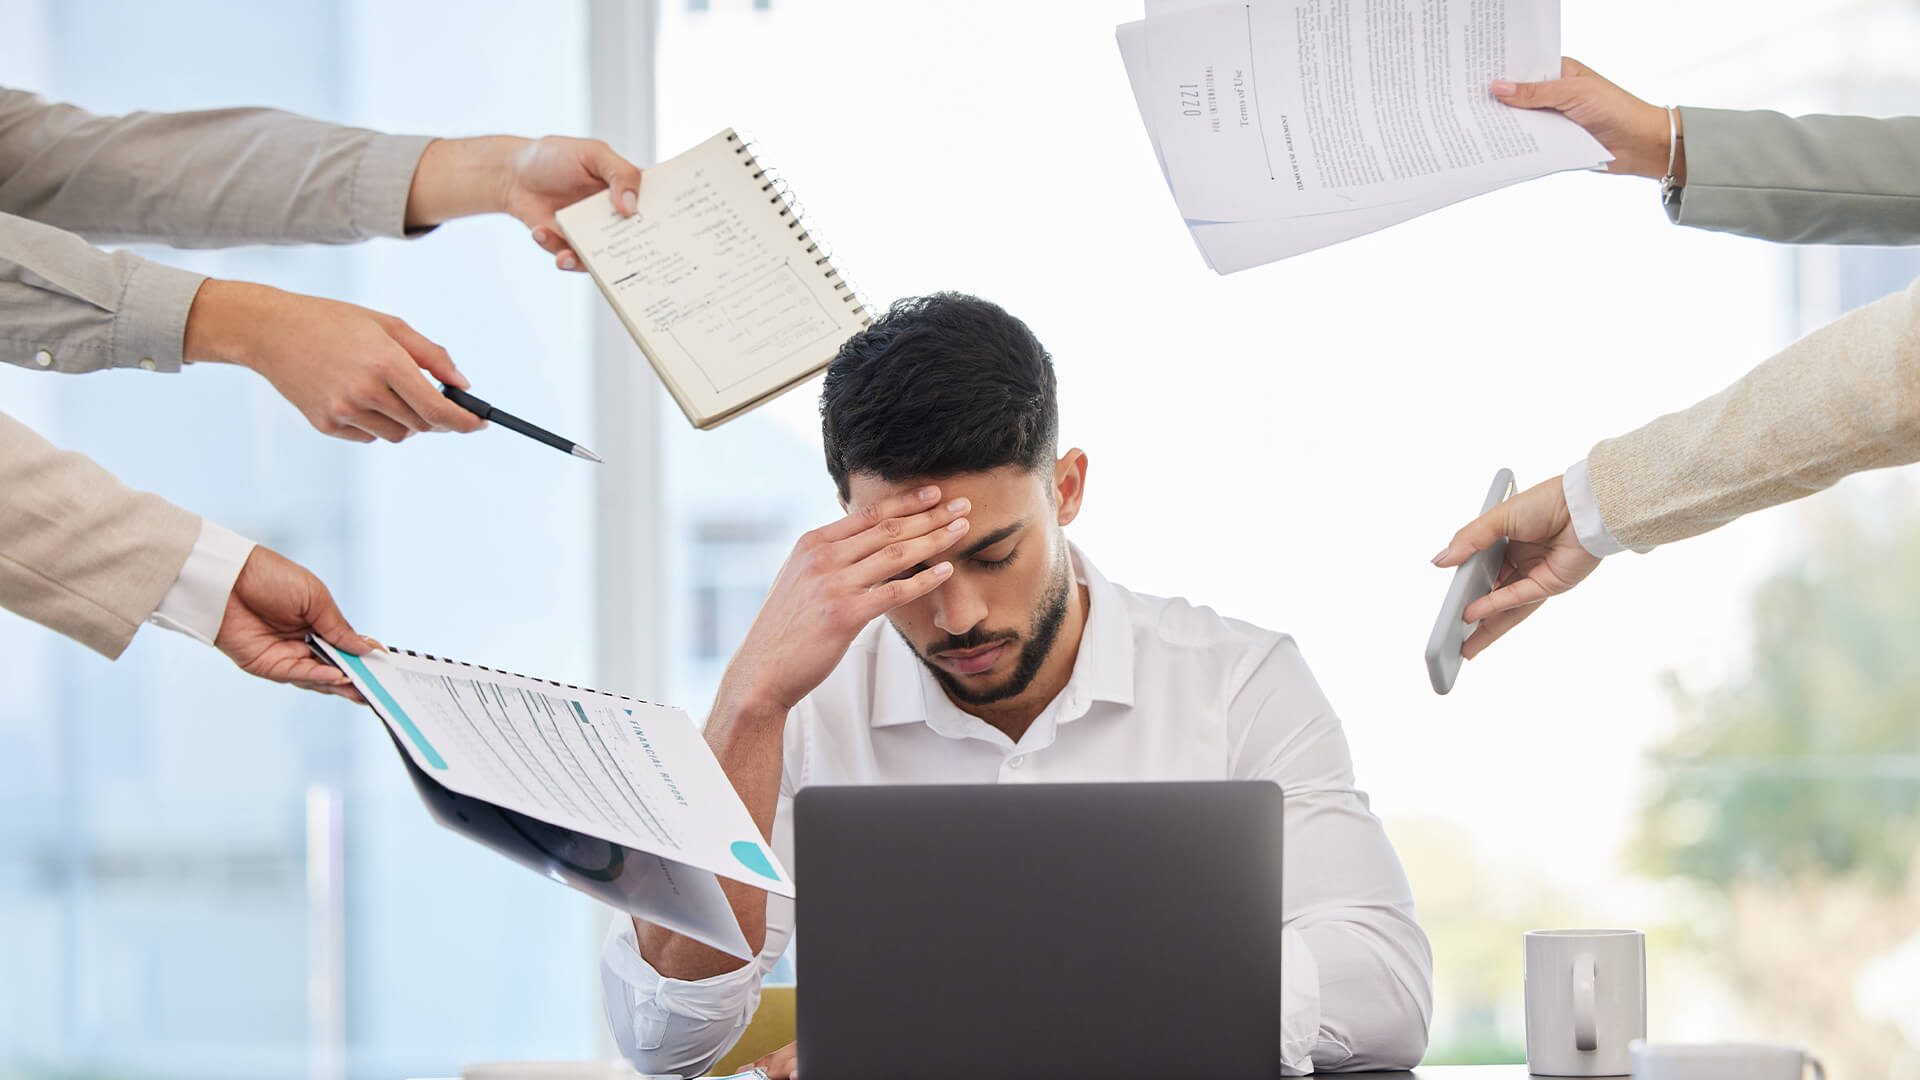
{"points": [[1577, 486], [197, 603], [1300, 1039], [150, 325]]}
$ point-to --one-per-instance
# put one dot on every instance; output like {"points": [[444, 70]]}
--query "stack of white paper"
{"points": [[1287, 125]]}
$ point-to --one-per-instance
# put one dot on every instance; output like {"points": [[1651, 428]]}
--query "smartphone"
{"points": [[1472, 580]]}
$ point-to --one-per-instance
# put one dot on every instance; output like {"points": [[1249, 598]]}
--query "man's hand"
{"points": [[527, 178], [839, 578], [1633, 131], [1544, 558], [275, 603], [353, 373], [782, 1064]]}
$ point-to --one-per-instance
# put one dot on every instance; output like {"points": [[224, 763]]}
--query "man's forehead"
{"points": [[1009, 487]]}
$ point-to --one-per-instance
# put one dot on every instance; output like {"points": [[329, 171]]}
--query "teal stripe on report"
{"points": [[394, 710]]}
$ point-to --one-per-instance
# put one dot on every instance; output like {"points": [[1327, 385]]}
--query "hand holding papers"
{"points": [[618, 798], [1286, 125]]}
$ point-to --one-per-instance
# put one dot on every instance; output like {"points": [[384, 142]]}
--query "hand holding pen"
{"points": [[507, 420]]}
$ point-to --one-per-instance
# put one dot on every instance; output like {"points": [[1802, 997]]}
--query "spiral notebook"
{"points": [[616, 797], [718, 279]]}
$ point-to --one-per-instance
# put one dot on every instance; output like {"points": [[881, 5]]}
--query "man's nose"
{"points": [[957, 609]]}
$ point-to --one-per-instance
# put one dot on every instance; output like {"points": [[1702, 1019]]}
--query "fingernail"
{"points": [[942, 569], [957, 505], [460, 379], [1442, 555], [1503, 88], [630, 200], [928, 494], [567, 261], [540, 235], [957, 525]]}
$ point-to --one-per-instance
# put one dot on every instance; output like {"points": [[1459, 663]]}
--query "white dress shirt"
{"points": [[1160, 690], [196, 603], [1577, 487]]}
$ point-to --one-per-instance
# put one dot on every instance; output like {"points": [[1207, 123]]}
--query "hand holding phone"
{"points": [[1472, 580]]}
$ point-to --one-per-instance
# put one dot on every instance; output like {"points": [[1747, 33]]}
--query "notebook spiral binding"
{"points": [[779, 194], [517, 675]]}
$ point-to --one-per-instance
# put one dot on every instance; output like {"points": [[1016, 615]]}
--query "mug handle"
{"points": [[1585, 1038], [1819, 1070]]}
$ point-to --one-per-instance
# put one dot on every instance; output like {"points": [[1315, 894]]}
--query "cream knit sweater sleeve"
{"points": [[1842, 399]]}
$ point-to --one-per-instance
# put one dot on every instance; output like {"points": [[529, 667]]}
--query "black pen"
{"points": [[507, 420]]}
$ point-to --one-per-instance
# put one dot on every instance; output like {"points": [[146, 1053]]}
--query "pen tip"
{"points": [[581, 451]]}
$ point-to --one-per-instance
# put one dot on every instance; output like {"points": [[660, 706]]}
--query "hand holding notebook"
{"points": [[718, 280]]}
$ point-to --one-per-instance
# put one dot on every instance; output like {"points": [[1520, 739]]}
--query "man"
{"points": [[81, 553], [1006, 657]]}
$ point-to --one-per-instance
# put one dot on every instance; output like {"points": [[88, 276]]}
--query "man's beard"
{"points": [[1039, 644]]}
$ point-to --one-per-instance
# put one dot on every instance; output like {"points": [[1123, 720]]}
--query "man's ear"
{"points": [[1069, 484]]}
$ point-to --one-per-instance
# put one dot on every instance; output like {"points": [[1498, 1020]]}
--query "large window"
{"points": [[1290, 444], [202, 875]]}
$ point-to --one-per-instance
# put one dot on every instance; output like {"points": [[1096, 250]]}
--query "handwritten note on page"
{"points": [[715, 278]]}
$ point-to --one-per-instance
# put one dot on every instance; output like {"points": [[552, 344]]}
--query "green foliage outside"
{"points": [[1789, 796]]}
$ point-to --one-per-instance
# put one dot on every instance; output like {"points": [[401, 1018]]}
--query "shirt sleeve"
{"points": [[1801, 180], [196, 604], [679, 1028], [67, 306], [1843, 399], [1576, 486], [212, 178], [1357, 972], [80, 552]]}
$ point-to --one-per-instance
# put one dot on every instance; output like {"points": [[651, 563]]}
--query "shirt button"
{"points": [[147, 364], [43, 358], [1014, 761]]}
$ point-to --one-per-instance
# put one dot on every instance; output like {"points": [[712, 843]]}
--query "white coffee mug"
{"points": [[1586, 996], [1723, 1061]]}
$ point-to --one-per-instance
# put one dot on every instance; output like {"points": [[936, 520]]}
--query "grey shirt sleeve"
{"points": [[1802, 180], [65, 305], [196, 179], [202, 179]]}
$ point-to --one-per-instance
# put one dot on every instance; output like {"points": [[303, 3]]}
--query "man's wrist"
{"points": [[218, 322], [461, 178]]}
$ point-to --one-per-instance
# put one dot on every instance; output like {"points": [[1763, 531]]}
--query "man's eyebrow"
{"points": [[993, 538]]}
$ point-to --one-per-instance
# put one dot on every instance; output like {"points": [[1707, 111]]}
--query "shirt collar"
{"points": [[904, 691]]}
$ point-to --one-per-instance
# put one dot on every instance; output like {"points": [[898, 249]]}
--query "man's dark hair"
{"points": [[940, 384]]}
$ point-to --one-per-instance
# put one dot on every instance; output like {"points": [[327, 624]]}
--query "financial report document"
{"points": [[1333, 118], [618, 797]]}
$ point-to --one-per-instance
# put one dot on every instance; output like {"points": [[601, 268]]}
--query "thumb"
{"points": [[1555, 94], [1474, 537], [622, 177], [325, 618]]}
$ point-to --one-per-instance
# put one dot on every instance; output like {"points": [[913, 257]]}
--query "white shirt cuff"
{"points": [[1577, 486], [197, 602], [1299, 1004]]}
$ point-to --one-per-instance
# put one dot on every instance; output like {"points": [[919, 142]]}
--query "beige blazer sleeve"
{"points": [[80, 552], [195, 179], [1841, 400]]}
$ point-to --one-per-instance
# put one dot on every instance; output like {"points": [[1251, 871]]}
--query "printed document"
{"points": [[1286, 125], [617, 797]]}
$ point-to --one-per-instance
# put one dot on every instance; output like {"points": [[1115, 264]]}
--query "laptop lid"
{"points": [[1043, 930]]}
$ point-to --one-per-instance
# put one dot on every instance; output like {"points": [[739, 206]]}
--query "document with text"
{"points": [[1286, 125], [718, 279], [616, 797]]}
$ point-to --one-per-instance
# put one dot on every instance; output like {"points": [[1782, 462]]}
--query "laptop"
{"points": [[1040, 930]]}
